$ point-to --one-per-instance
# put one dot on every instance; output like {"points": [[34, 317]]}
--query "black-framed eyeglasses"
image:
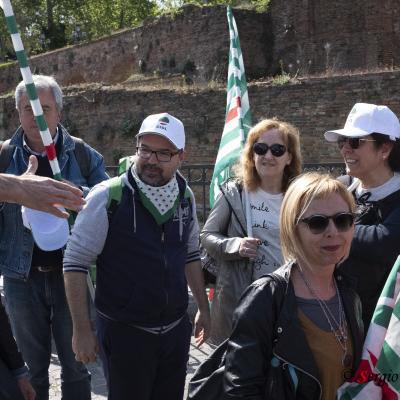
{"points": [[318, 223], [161, 155], [354, 142], [277, 149]]}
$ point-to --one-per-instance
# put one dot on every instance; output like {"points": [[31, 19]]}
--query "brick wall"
{"points": [[109, 118], [325, 35], [194, 42]]}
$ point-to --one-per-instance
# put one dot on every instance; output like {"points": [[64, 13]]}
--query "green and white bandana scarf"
{"points": [[160, 201]]}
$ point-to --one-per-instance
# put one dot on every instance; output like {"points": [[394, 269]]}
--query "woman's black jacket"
{"points": [[266, 326], [374, 250]]}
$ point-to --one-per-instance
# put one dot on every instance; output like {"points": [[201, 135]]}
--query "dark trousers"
{"points": [[8, 384], [38, 309], [142, 365]]}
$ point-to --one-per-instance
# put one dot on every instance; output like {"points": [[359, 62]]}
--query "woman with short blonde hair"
{"points": [[297, 201], [298, 332]]}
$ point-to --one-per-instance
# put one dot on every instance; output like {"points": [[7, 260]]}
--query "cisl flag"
{"points": [[378, 375], [237, 118]]}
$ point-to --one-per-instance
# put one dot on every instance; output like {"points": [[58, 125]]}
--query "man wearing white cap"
{"points": [[146, 251], [369, 144]]}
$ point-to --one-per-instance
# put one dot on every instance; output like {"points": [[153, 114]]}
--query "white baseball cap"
{"points": [[50, 232], [365, 119], [164, 125]]}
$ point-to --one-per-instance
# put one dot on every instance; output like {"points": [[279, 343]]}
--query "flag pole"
{"points": [[237, 121], [30, 88], [233, 32]]}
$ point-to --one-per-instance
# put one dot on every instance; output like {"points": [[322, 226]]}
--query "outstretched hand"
{"points": [[45, 194]]}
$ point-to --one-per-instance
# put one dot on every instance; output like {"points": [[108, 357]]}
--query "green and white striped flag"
{"points": [[238, 117], [378, 375]]}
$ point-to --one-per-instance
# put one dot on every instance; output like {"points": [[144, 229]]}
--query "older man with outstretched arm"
{"points": [[145, 246]]}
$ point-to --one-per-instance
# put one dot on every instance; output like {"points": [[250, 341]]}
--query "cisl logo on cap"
{"points": [[162, 123]]}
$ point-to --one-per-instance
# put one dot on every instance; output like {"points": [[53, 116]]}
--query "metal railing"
{"points": [[199, 179]]}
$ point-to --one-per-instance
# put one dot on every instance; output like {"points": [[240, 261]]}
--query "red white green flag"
{"points": [[378, 375], [237, 118]]}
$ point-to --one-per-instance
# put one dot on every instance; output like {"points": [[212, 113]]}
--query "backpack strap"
{"points": [[6, 154], [124, 164], [82, 157], [115, 186]]}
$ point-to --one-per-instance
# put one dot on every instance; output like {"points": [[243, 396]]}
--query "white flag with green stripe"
{"points": [[378, 375], [237, 118]]}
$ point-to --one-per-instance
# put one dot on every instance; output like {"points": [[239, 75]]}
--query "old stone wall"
{"points": [[299, 36], [109, 118], [194, 43], [315, 36]]}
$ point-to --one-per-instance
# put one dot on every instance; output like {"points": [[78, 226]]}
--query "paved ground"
{"points": [[99, 390]]}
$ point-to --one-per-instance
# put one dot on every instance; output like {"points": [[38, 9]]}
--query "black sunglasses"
{"points": [[318, 223], [354, 142], [277, 149]]}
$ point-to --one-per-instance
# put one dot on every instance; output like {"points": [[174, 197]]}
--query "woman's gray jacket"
{"points": [[221, 237]]}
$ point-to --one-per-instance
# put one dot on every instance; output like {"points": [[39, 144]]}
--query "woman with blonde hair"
{"points": [[270, 160], [298, 332]]}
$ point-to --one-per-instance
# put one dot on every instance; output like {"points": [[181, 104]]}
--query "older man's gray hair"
{"points": [[42, 82]]}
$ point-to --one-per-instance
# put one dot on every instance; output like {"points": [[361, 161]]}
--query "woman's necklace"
{"points": [[337, 327]]}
